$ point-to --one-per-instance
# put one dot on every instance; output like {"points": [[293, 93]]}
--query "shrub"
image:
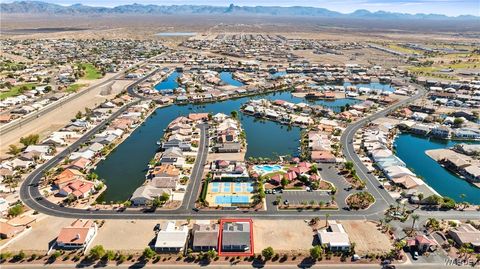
{"points": [[268, 253]]}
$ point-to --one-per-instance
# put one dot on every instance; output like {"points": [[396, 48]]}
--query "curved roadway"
{"points": [[32, 197]]}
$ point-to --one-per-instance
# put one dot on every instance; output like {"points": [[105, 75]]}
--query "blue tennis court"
{"points": [[238, 187], [226, 187], [223, 199], [215, 187]]}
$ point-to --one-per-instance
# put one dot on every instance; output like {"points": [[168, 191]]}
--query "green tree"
{"points": [[97, 252], [15, 210], [316, 252], [326, 219], [415, 217], [30, 140], [349, 165], [234, 114], [109, 255], [92, 176], [14, 150], [268, 253], [164, 197], [458, 121], [148, 253]]}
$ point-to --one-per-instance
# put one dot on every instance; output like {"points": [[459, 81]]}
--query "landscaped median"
{"points": [[360, 200]]}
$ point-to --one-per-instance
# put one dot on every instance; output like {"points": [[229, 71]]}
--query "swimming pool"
{"points": [[231, 199], [264, 169]]}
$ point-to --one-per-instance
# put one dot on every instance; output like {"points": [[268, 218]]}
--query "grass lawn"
{"points": [[90, 71], [403, 49], [16, 90], [274, 173], [74, 87]]}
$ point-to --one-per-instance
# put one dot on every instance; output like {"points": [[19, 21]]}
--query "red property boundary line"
{"points": [[228, 254]]}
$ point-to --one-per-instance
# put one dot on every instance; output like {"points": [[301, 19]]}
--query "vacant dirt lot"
{"points": [[284, 235], [37, 239], [132, 235], [367, 238]]}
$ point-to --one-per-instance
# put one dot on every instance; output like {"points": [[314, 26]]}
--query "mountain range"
{"points": [[38, 7]]}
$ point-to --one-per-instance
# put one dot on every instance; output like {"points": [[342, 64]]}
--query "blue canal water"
{"points": [[411, 149], [227, 77], [169, 83], [124, 169]]}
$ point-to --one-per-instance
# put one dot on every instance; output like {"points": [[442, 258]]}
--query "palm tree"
{"points": [[415, 217]]}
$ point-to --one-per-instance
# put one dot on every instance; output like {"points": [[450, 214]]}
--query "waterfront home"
{"points": [[323, 156], [79, 234], [471, 173], [467, 149], [440, 131], [467, 133], [420, 243], [465, 233], [175, 142], [205, 237], [66, 176], [334, 237], [420, 129], [164, 182], [145, 194], [78, 188], [236, 237], [80, 163], [198, 117], [407, 181], [82, 153], [165, 170], [397, 171], [171, 238], [173, 156], [228, 147]]}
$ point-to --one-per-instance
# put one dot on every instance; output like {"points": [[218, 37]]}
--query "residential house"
{"points": [[466, 234], [236, 237], [171, 238], [79, 234], [334, 237], [78, 188], [420, 243], [173, 156], [66, 176], [147, 193], [205, 237]]}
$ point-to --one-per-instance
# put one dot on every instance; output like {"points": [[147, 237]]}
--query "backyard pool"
{"points": [[265, 169]]}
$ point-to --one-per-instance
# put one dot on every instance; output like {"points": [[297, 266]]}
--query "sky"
{"points": [[447, 7]]}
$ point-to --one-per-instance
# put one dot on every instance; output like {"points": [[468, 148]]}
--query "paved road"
{"points": [[195, 183], [35, 115], [223, 266], [382, 197], [29, 193]]}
